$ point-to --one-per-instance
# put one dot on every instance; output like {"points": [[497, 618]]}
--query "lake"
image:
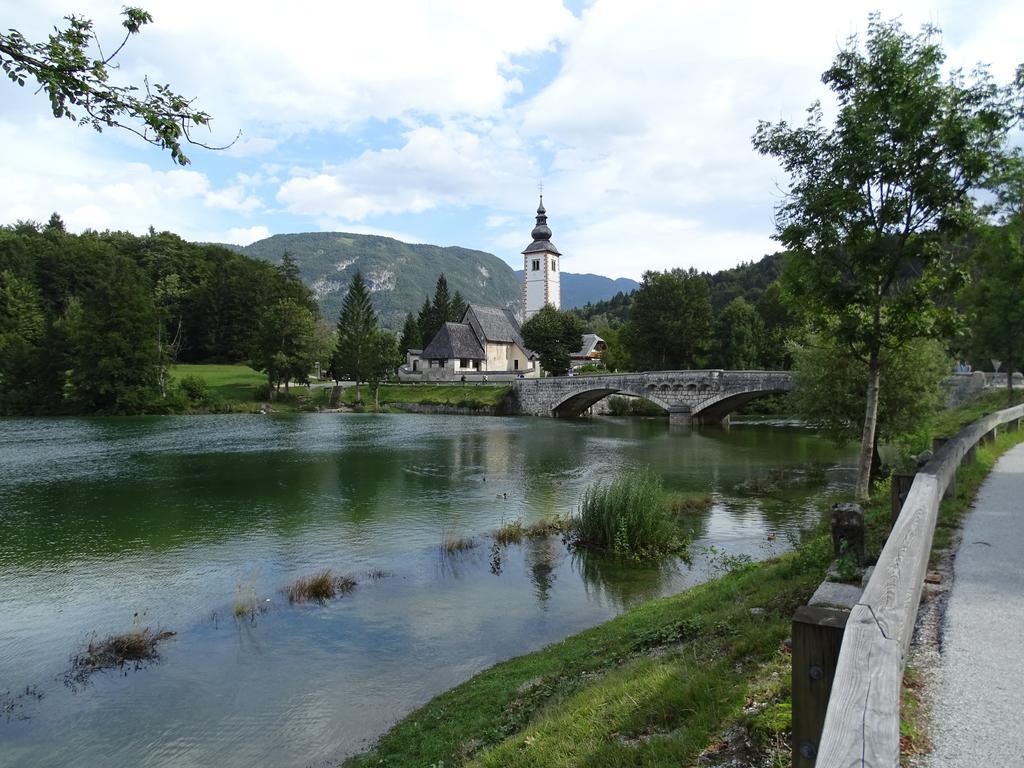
{"points": [[164, 521]]}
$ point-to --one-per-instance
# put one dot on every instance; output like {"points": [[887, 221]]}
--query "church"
{"points": [[487, 343]]}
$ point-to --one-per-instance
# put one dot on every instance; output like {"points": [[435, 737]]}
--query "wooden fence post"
{"points": [[848, 531], [938, 442], [817, 637], [901, 482]]}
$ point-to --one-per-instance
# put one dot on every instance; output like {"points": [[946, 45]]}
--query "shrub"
{"points": [[195, 388], [263, 393], [627, 516]]}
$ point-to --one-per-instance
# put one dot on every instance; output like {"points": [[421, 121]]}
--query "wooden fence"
{"points": [[862, 724]]}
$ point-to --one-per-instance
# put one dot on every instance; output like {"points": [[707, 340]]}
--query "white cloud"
{"points": [[244, 236], [448, 165]]}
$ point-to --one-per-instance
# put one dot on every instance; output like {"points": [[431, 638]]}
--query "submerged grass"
{"points": [[319, 588], [514, 531], [137, 647], [453, 543], [627, 516]]}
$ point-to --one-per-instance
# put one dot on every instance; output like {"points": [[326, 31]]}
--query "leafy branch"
{"points": [[77, 82]]}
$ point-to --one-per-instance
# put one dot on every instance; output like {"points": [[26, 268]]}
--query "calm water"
{"points": [[101, 519]]}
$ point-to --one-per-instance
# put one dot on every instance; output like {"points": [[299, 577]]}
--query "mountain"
{"points": [[400, 275], [579, 290]]}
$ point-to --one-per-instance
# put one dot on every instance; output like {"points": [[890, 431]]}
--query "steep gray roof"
{"points": [[590, 341], [493, 324], [454, 340]]}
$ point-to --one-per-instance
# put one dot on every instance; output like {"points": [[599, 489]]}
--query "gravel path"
{"points": [[979, 714]]}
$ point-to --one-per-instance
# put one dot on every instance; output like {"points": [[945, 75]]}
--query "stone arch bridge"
{"points": [[706, 397]]}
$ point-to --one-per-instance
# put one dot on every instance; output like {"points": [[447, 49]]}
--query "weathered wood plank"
{"points": [[862, 724]]}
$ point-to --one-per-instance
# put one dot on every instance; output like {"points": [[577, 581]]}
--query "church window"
{"points": [[464, 363], [554, 266], [536, 265], [517, 365]]}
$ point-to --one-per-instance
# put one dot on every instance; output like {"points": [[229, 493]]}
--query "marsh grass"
{"points": [[319, 588], [627, 516], [514, 531], [453, 543], [247, 604], [137, 647]]}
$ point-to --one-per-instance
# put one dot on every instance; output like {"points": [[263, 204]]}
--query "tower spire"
{"points": [[541, 279]]}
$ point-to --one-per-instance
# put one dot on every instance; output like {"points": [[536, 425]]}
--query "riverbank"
{"points": [[700, 676], [240, 389]]}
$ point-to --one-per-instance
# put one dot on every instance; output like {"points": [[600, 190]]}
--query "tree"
{"points": [[995, 298], [670, 321], [114, 358], [615, 357], [22, 326], [77, 80], [425, 322], [286, 343], [458, 308], [411, 338], [872, 198], [356, 325], [554, 335], [737, 330], [437, 313], [775, 330], [384, 358], [831, 387]]}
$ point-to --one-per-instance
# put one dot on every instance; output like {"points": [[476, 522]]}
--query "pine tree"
{"points": [[411, 338], [458, 308], [425, 322], [356, 326]]}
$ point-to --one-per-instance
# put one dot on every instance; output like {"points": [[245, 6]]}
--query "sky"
{"points": [[436, 122]]}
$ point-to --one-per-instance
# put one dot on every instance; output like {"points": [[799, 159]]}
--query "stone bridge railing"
{"points": [[707, 396]]}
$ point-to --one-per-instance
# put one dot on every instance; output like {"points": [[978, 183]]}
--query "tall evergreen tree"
{"points": [[425, 322], [411, 338], [357, 323], [458, 308]]}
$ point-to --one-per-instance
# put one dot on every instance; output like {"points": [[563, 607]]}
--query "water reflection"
{"points": [[103, 518]]}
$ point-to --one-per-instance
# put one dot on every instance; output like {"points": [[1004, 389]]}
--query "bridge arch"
{"points": [[718, 408], [578, 402]]}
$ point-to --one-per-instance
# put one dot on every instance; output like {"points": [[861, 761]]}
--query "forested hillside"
{"points": [[90, 323], [399, 275]]}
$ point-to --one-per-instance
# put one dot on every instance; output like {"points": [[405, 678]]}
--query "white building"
{"points": [[541, 268], [487, 342]]}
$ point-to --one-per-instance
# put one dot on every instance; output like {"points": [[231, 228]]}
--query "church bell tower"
{"points": [[541, 268]]}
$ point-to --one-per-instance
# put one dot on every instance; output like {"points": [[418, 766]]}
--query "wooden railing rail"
{"points": [[862, 725]]}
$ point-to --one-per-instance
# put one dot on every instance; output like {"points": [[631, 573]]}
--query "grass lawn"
{"points": [[232, 383], [232, 388]]}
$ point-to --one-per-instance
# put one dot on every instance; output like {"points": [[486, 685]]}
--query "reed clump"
{"points": [[627, 516], [320, 587], [453, 543], [514, 531], [137, 647]]}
